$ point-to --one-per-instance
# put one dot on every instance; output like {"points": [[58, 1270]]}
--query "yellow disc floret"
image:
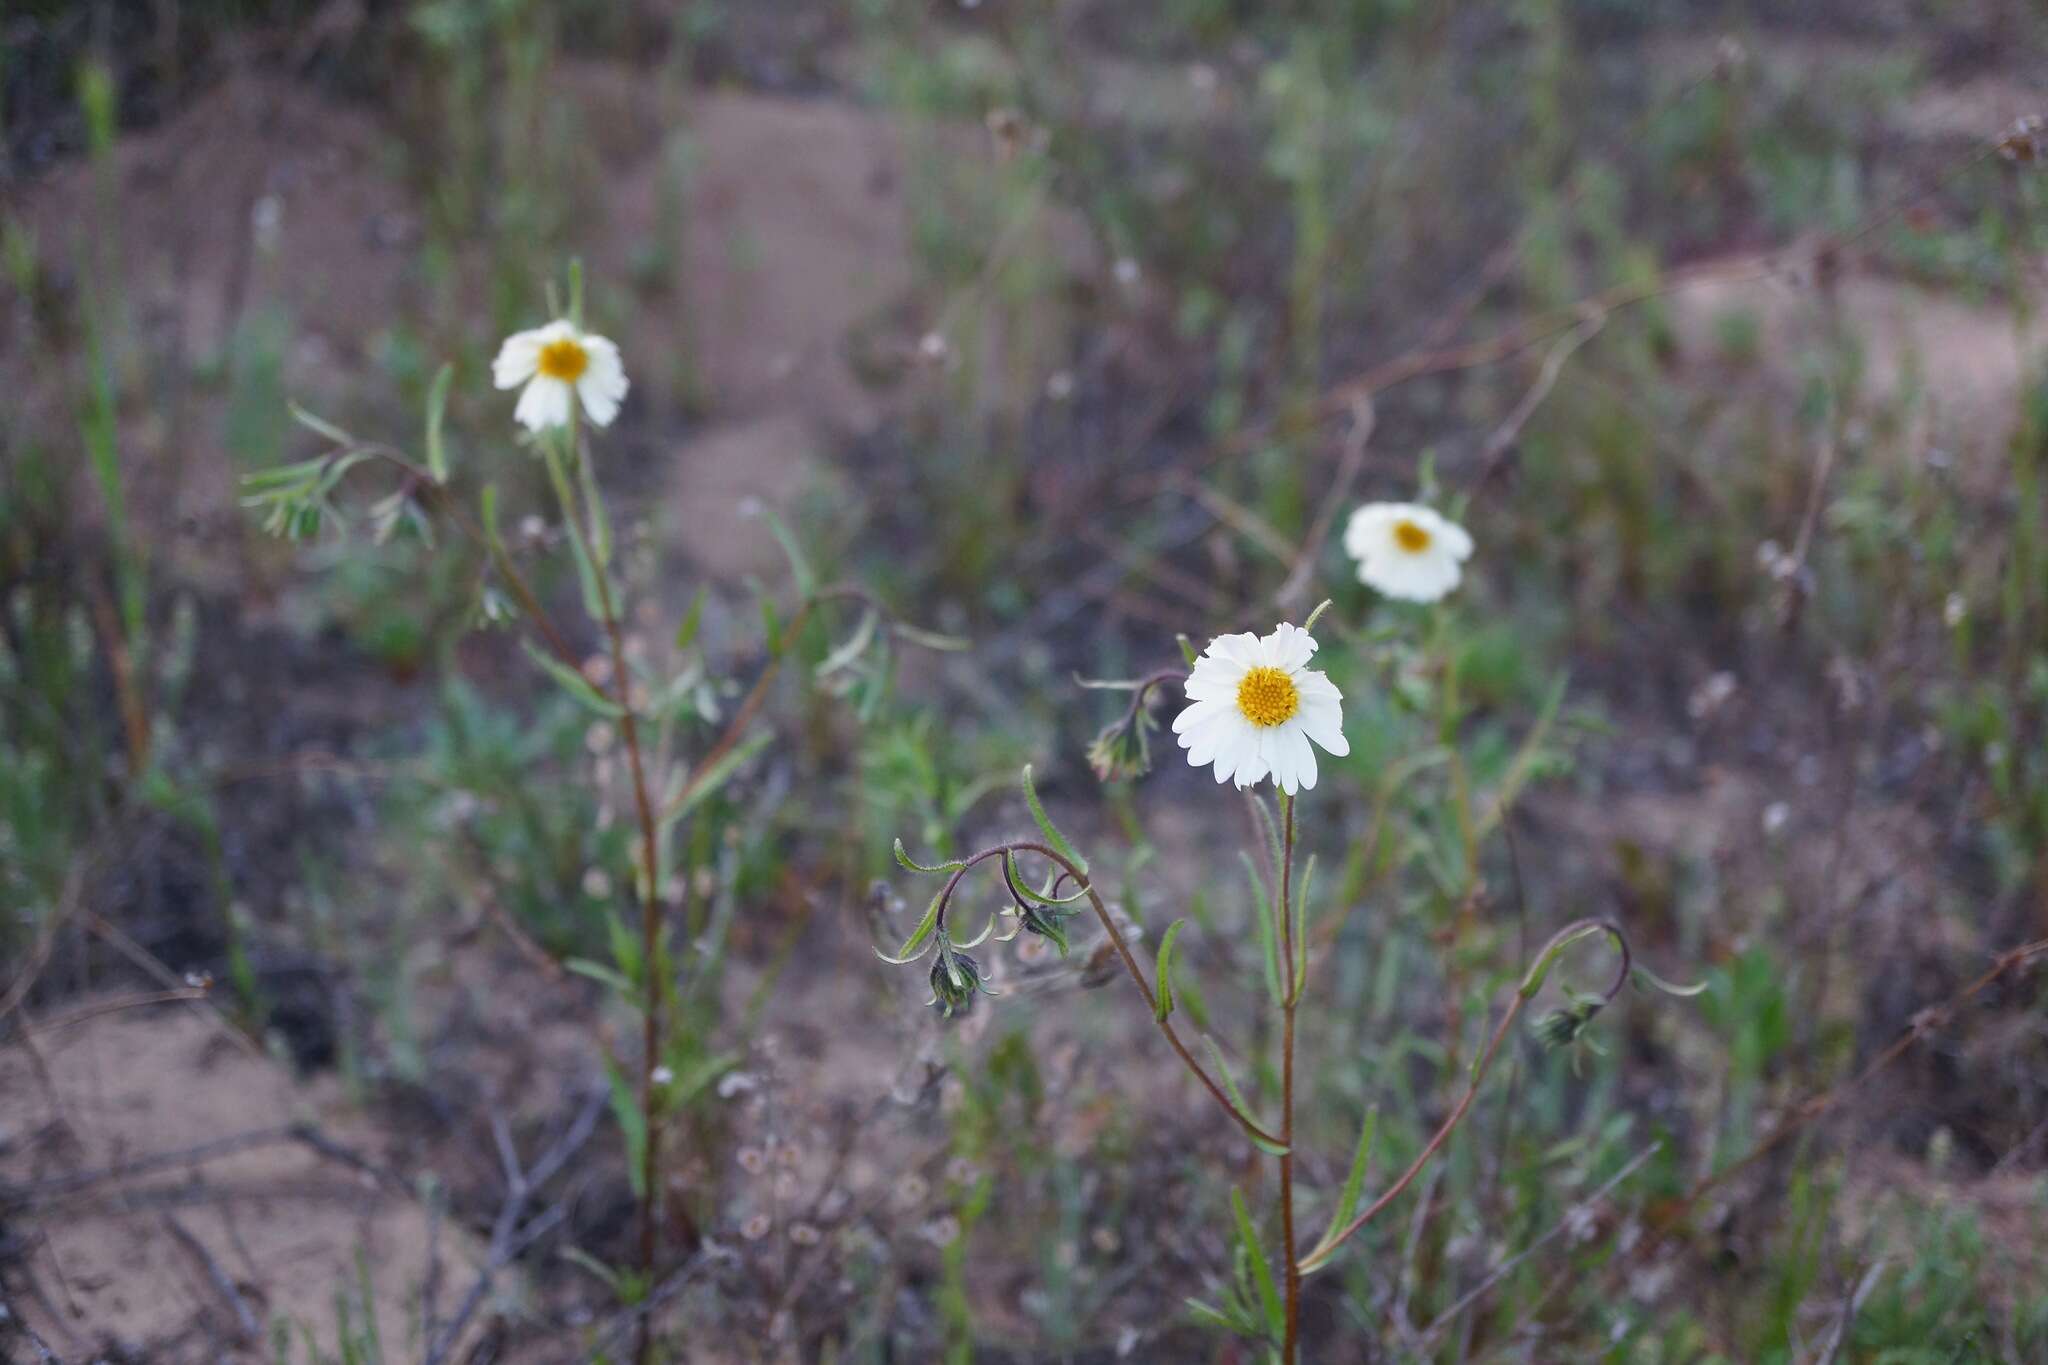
{"points": [[1266, 697], [1410, 537], [564, 359]]}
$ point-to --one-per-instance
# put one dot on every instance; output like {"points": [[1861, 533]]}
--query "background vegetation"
{"points": [[1063, 329]]}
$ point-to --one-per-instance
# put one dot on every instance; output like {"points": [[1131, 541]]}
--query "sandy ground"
{"points": [[174, 1257]]}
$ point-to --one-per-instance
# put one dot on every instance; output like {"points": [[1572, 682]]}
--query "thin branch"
{"points": [[247, 1332], [1509, 431], [1364, 417], [508, 1239], [1847, 1317]]}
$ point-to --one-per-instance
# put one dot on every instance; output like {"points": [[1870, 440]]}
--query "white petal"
{"points": [[1241, 649], [1288, 647], [599, 404], [1250, 753], [1294, 763], [1411, 578], [1315, 686], [543, 405], [602, 386], [1198, 713], [1367, 527], [1456, 539], [517, 359], [1207, 742], [1323, 722], [1213, 679]]}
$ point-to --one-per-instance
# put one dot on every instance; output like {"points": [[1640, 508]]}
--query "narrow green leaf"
{"points": [[284, 475], [1164, 1005], [320, 425], [1187, 649], [913, 946], [1211, 1317], [1262, 1274], [1354, 1183], [686, 1086], [718, 775], [577, 1256], [1301, 890], [1032, 893], [600, 520], [856, 644], [627, 949], [913, 865], [1524, 761], [1262, 916], [686, 632], [632, 1122], [572, 682], [597, 971], [931, 639], [488, 511], [1045, 826], [437, 409], [1668, 987], [1237, 1098], [800, 571]]}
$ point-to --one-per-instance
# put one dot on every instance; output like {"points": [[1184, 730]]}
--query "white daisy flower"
{"points": [[558, 363], [1406, 551], [1254, 706]]}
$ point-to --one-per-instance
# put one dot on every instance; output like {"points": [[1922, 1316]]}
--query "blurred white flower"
{"points": [[1405, 550], [1254, 705], [558, 364]]}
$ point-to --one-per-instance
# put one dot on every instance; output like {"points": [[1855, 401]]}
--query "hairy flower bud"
{"points": [[956, 978], [1565, 1025], [1123, 750]]}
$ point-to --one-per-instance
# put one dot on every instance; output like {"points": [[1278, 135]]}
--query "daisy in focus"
{"points": [[1254, 705], [1405, 550], [560, 364]]}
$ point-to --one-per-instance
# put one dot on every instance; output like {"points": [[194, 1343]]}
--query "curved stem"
{"points": [[1531, 981], [1123, 950]]}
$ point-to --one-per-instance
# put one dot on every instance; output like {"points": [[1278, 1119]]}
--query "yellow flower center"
{"points": [[1410, 537], [1266, 697], [564, 359]]}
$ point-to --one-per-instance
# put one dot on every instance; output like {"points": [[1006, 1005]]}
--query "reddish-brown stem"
{"points": [[1329, 1245], [650, 903], [1562, 939], [1137, 975], [1287, 1005]]}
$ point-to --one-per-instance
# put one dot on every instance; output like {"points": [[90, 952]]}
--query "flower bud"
{"points": [[1123, 750], [1563, 1026], [955, 979]]}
